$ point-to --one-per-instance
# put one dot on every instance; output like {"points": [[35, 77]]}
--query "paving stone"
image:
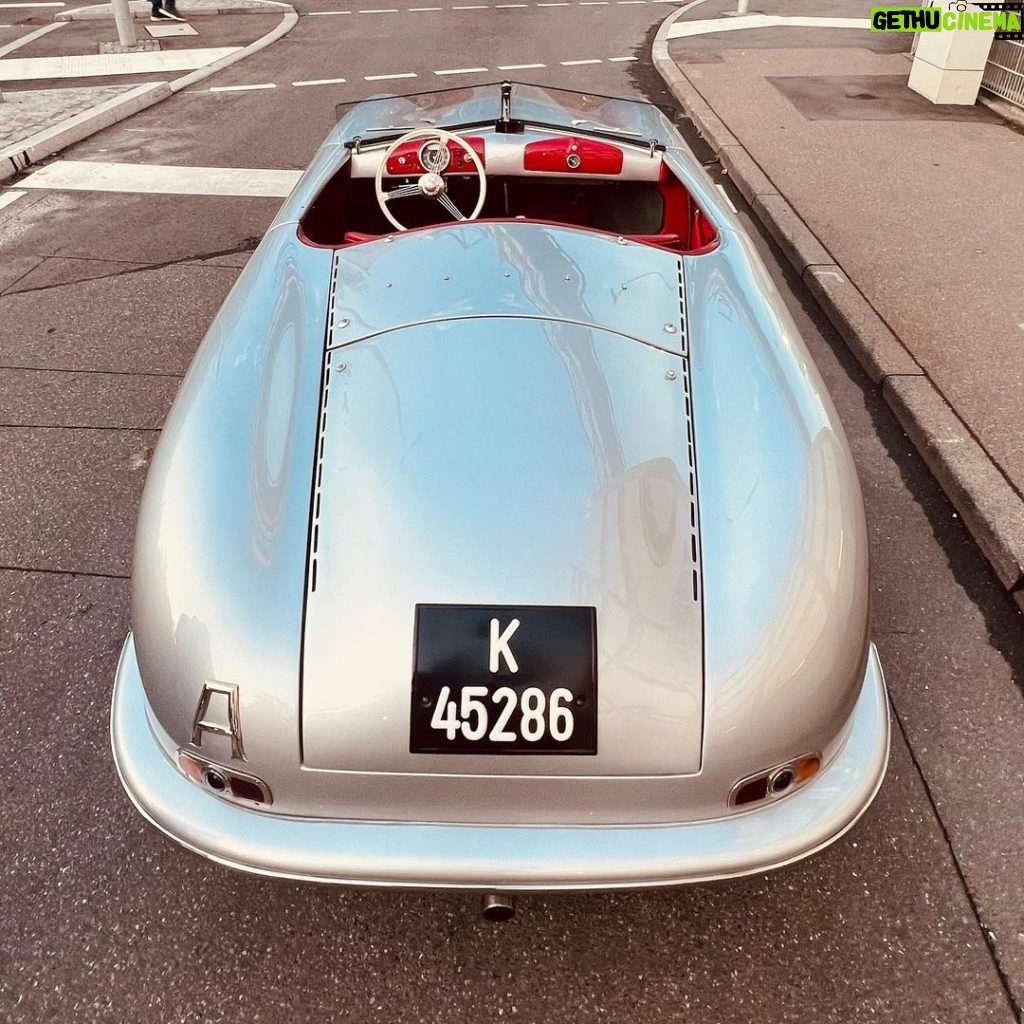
{"points": [[58, 398], [113, 323], [54, 270], [25, 112], [68, 498], [14, 268]]}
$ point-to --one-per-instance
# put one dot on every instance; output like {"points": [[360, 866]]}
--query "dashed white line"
{"points": [[520, 67], [379, 10], [621, 60], [506, 7], [460, 71], [554, 5], [242, 88], [577, 63], [426, 9], [6, 198], [471, 7], [321, 14], [389, 78], [320, 81]]}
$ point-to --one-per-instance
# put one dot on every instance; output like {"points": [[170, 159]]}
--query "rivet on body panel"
{"points": [[341, 367], [670, 375], [621, 240], [670, 328], [344, 322]]}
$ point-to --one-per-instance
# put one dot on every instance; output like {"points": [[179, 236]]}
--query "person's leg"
{"points": [[154, 10], [171, 8]]}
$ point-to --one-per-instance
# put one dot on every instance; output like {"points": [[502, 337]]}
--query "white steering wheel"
{"points": [[431, 183]]}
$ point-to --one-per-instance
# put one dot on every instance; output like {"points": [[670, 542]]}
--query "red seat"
{"points": [[355, 237]]}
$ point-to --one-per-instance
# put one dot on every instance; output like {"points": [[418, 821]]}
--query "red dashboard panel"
{"points": [[406, 159], [571, 155]]}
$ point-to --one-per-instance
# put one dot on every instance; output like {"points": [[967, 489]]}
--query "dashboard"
{"points": [[533, 152]]}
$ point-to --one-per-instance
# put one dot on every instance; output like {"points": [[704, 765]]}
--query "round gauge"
{"points": [[434, 156]]}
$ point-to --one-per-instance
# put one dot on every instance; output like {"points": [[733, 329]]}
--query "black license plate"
{"points": [[504, 680]]}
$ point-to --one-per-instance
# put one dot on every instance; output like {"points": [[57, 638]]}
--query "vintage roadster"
{"points": [[502, 535]]}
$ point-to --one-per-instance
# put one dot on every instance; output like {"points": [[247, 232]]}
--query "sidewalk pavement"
{"points": [[40, 114], [905, 220]]}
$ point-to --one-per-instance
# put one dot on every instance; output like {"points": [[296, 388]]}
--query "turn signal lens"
{"points": [[224, 781], [806, 768], [776, 782]]}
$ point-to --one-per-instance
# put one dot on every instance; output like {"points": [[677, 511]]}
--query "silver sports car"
{"points": [[502, 535]]}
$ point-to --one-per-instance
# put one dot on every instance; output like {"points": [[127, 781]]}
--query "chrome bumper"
{"points": [[498, 857]]}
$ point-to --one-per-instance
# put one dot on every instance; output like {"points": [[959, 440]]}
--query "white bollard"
{"points": [[125, 23]]}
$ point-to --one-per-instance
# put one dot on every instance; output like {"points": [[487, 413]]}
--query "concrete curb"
{"points": [[140, 9], [15, 159], [991, 508]]}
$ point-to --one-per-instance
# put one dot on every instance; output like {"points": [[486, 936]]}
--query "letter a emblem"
{"points": [[227, 696], [499, 645]]}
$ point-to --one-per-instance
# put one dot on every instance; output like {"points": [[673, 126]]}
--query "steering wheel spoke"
{"points": [[446, 201], [402, 192]]}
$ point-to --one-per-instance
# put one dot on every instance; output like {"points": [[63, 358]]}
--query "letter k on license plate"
{"points": [[502, 679]]}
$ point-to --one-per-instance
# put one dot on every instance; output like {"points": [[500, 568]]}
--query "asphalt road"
{"points": [[103, 299]]}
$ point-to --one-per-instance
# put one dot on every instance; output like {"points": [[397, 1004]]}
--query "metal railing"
{"points": [[1004, 72]]}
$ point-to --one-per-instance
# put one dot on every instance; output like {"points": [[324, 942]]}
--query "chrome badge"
{"points": [[227, 694]]}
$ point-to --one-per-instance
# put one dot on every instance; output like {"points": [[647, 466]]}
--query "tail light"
{"points": [[776, 782], [226, 782]]}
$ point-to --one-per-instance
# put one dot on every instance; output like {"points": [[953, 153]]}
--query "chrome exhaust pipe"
{"points": [[498, 906]]}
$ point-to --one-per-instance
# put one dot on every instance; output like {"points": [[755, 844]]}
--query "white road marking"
{"points": [[520, 67], [162, 179], [379, 10], [621, 60], [725, 196], [506, 7], [9, 6], [18, 69], [321, 14], [89, 65], [11, 47], [471, 7], [683, 29], [625, 3], [389, 78], [426, 9], [461, 71], [553, 5], [6, 198], [242, 88], [577, 63], [321, 81]]}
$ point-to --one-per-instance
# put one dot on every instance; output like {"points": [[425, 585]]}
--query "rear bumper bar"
{"points": [[500, 857]]}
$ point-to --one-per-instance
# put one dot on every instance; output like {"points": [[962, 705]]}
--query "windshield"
{"points": [[533, 104]]}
